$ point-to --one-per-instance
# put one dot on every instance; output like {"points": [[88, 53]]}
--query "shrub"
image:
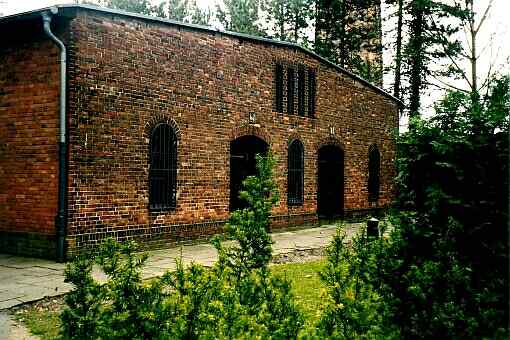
{"points": [[237, 298], [81, 317], [354, 308], [445, 272]]}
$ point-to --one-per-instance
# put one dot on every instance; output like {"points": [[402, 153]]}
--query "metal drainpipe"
{"points": [[61, 217]]}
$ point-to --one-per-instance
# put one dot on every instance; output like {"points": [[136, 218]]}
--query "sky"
{"points": [[495, 36]]}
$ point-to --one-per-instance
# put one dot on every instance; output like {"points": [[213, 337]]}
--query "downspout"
{"points": [[61, 217]]}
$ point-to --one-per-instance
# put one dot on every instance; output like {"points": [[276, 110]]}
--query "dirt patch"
{"points": [[299, 256], [47, 304]]}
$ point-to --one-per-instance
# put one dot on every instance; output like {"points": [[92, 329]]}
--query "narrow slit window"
{"points": [[311, 93], [163, 168], [279, 88], [290, 90], [301, 92], [295, 173], [374, 173]]}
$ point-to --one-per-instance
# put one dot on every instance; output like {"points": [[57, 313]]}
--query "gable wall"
{"points": [[126, 75]]}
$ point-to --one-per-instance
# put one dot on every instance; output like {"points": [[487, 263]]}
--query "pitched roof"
{"points": [[278, 43]]}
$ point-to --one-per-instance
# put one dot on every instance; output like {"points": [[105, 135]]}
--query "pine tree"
{"points": [[136, 6], [299, 14], [201, 16], [348, 33], [178, 10], [288, 19], [240, 16], [277, 17], [430, 32], [398, 6]]}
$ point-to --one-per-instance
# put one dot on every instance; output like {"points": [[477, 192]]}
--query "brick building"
{"points": [[161, 123]]}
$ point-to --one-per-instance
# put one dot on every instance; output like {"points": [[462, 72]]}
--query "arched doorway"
{"points": [[330, 181], [243, 164]]}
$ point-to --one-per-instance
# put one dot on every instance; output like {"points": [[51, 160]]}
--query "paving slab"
{"points": [[25, 280], [52, 265], [23, 262], [8, 295], [10, 303], [12, 330]]}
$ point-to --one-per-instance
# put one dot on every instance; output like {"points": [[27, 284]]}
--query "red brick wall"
{"points": [[29, 81], [126, 75]]}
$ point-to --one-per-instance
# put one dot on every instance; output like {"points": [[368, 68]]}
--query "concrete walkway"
{"points": [[13, 330], [25, 280]]}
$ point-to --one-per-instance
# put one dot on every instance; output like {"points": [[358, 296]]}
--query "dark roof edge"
{"points": [[243, 36]]}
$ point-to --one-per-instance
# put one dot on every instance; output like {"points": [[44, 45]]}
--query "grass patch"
{"points": [[306, 285], [43, 323]]}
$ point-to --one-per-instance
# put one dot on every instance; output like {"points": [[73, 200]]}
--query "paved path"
{"points": [[12, 330], [25, 280]]}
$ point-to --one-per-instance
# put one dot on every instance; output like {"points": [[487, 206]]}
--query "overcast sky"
{"points": [[496, 32]]}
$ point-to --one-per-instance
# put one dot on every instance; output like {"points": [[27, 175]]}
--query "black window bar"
{"points": [[279, 88], [374, 173], [295, 173], [163, 168], [290, 89], [301, 92], [311, 93]]}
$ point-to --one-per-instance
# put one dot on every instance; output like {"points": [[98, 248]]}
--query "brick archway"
{"points": [[158, 119], [243, 163], [330, 140], [247, 130], [294, 136]]}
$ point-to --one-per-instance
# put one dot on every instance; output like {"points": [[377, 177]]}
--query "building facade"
{"points": [[163, 123]]}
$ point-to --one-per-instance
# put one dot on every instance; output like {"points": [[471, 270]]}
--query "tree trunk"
{"points": [[398, 56], [317, 25], [343, 31], [296, 23], [416, 42], [473, 58], [282, 21]]}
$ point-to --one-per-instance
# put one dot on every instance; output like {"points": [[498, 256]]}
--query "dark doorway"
{"points": [[330, 182], [243, 164]]}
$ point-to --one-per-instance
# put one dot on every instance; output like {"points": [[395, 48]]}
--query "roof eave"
{"points": [[34, 13]]}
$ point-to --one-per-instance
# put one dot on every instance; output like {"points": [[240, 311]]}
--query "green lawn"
{"points": [[43, 323], [306, 286]]}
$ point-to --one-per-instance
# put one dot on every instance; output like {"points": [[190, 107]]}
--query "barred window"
{"points": [[301, 92], [163, 168], [374, 169], [311, 93], [279, 87], [290, 89], [295, 173]]}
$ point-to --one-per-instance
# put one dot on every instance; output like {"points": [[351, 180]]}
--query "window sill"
{"points": [[295, 115]]}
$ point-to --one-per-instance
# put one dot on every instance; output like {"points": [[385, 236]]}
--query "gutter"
{"points": [[61, 217]]}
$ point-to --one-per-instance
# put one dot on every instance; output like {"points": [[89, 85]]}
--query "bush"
{"points": [[445, 272], [80, 318], [237, 298], [354, 309], [122, 307]]}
